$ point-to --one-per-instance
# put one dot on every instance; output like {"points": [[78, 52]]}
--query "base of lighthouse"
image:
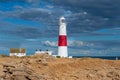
{"points": [[62, 51]]}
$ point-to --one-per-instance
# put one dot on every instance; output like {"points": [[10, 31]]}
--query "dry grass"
{"points": [[69, 69]]}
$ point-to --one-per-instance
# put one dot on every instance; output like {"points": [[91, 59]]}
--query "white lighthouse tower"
{"points": [[62, 41]]}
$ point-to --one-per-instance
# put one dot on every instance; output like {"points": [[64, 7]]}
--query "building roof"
{"points": [[17, 50]]}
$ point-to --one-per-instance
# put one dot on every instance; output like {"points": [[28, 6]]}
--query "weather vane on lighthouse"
{"points": [[62, 41]]}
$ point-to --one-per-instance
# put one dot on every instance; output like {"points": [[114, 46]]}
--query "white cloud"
{"points": [[50, 6], [50, 43], [84, 51], [79, 43], [75, 43], [31, 39], [4, 48], [71, 43]]}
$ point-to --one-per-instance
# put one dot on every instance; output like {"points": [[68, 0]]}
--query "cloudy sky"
{"points": [[93, 26]]}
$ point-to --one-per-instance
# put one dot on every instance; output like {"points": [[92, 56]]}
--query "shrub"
{"points": [[58, 57], [4, 55]]}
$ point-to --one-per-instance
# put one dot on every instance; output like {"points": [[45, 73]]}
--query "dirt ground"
{"points": [[48, 68]]}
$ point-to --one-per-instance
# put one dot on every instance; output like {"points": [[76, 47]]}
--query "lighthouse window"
{"points": [[63, 21]]}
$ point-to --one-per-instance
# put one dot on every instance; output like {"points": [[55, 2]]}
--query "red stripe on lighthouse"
{"points": [[62, 40]]}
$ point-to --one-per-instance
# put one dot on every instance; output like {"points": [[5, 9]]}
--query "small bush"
{"points": [[58, 57], [4, 55]]}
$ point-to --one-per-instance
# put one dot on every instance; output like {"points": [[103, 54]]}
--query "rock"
{"points": [[114, 75], [42, 61], [90, 76], [18, 72]]}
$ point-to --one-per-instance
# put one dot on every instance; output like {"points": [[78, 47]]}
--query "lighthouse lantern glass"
{"points": [[63, 21]]}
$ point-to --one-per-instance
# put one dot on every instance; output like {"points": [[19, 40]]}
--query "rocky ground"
{"points": [[45, 67]]}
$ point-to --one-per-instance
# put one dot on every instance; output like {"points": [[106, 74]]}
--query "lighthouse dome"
{"points": [[62, 18]]}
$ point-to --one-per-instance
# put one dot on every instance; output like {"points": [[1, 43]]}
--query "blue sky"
{"points": [[93, 26]]}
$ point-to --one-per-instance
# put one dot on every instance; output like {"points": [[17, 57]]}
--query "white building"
{"points": [[18, 52], [43, 52]]}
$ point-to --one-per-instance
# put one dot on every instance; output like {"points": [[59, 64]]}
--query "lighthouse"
{"points": [[62, 41]]}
